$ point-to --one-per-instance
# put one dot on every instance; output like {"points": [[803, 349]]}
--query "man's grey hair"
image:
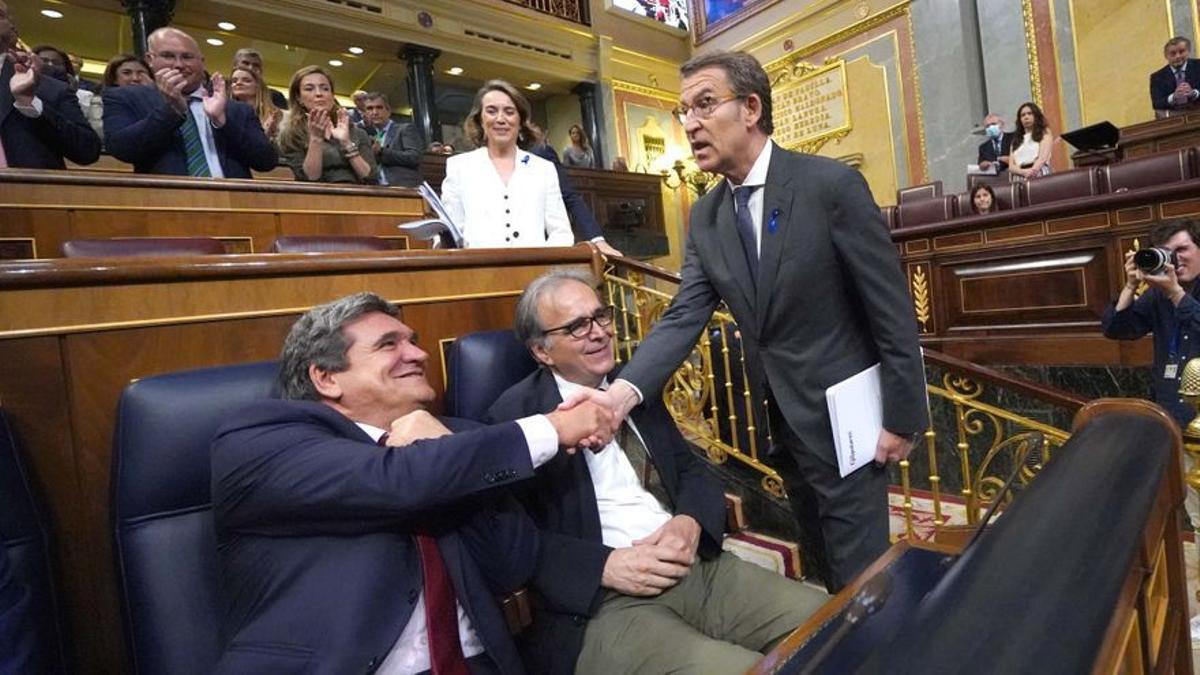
{"points": [[1177, 40], [528, 324], [316, 339], [746, 76], [379, 95]]}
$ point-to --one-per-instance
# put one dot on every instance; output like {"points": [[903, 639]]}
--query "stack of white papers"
{"points": [[856, 415]]}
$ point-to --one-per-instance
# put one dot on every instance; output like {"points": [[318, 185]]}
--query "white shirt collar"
{"points": [[566, 387], [374, 432], [758, 172]]}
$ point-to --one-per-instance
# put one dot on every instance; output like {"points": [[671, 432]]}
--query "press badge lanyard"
{"points": [[1171, 371]]}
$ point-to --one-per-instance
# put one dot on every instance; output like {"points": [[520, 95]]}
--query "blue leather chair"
{"points": [[31, 624], [481, 366], [166, 550]]}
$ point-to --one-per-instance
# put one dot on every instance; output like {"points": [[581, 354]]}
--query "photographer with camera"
{"points": [[1169, 308]]}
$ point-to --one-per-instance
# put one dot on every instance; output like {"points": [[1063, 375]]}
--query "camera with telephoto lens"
{"points": [[1154, 260]]}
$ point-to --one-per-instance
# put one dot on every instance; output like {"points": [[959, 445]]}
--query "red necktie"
{"points": [[441, 607]]}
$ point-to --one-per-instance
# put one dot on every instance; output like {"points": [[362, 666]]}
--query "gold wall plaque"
{"points": [[810, 105]]}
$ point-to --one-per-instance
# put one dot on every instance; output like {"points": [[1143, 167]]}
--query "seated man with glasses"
{"points": [[184, 126], [631, 577]]}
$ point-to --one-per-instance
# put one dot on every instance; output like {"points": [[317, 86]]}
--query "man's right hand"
{"points": [[983, 166], [587, 424], [170, 84], [619, 398], [417, 425], [645, 570]]}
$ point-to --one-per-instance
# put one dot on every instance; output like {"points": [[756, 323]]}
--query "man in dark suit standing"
{"points": [[997, 146], [398, 146], [631, 577], [40, 119], [1176, 85], [837, 306], [182, 126], [356, 531]]}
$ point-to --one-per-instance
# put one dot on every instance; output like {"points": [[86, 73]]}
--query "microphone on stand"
{"points": [[868, 600]]}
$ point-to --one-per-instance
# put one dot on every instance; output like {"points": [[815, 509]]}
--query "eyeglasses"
{"points": [[703, 109], [582, 327]]}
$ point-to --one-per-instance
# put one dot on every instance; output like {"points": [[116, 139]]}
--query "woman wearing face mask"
{"points": [[1033, 144], [317, 139], [500, 195], [246, 85], [983, 199]]}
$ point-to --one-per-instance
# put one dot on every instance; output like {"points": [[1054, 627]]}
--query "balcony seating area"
{"points": [[925, 205]]}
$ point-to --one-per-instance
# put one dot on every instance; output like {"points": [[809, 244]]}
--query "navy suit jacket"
{"points": [[18, 642], [582, 220], [319, 569], [987, 150], [562, 501], [60, 131], [141, 128], [1162, 83]]}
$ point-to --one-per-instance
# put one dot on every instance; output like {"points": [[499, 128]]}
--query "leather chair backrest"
{"points": [[481, 366], [1157, 169], [926, 211], [333, 244], [142, 247], [915, 193], [1066, 185], [165, 542], [25, 541]]}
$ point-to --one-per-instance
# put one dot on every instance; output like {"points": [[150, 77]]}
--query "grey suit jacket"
{"points": [[400, 154], [831, 299]]}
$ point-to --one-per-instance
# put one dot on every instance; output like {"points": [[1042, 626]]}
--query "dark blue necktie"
{"points": [[745, 228]]}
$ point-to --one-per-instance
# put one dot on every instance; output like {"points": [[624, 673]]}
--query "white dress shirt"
{"points": [[627, 511], [410, 653], [528, 211], [756, 177], [196, 108]]}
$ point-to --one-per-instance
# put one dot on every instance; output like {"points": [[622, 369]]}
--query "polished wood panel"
{"points": [[54, 206], [1029, 286], [1147, 138], [73, 333]]}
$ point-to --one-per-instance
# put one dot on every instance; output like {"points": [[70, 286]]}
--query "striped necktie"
{"points": [[197, 161]]}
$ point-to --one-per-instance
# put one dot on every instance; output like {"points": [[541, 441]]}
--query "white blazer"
{"points": [[528, 211]]}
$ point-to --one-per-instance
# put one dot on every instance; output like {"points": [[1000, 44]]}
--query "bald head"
{"points": [[171, 48]]}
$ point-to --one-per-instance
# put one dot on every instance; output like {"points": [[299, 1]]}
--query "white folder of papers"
{"points": [[856, 415]]}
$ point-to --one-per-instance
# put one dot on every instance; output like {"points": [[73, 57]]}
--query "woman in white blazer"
{"points": [[499, 194]]}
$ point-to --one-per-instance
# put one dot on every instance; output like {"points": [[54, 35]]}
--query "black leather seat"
{"points": [[481, 366], [916, 193], [24, 540], [1157, 169], [925, 211], [1066, 185], [165, 541], [136, 247]]}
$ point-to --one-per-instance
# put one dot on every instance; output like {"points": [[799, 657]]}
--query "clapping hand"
{"points": [[215, 101], [341, 130], [27, 70], [170, 83], [318, 124]]}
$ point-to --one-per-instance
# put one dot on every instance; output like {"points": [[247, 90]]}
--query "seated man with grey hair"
{"points": [[631, 577], [359, 533]]}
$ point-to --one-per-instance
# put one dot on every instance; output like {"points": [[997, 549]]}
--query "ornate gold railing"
{"points": [[975, 437], [571, 10]]}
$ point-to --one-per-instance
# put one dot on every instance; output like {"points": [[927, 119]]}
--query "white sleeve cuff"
{"points": [[641, 399], [596, 240], [34, 109], [541, 437]]}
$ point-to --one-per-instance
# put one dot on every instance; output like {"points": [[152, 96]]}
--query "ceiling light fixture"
{"points": [[355, 50], [225, 25], [52, 13], [335, 63], [455, 71], [533, 86], [216, 42]]}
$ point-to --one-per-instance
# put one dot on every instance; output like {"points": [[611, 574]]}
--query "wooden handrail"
{"points": [[1042, 392], [59, 272], [261, 185]]}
